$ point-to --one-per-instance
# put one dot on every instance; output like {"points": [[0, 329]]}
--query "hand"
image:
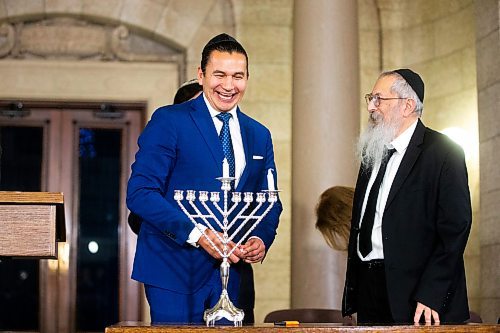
{"points": [[428, 315], [205, 244], [253, 251]]}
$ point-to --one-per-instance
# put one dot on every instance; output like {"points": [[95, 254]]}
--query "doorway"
{"points": [[85, 151]]}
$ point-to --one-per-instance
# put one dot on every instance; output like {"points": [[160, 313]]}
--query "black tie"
{"points": [[365, 234]]}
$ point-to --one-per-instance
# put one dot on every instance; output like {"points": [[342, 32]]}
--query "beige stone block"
{"points": [[153, 83], [490, 173], [392, 5], [369, 50], [418, 44], [473, 275], [266, 78], [490, 309], [110, 9], [272, 281], [274, 115], [392, 19], [454, 32], [144, 13], [63, 6], [257, 12], [469, 76], [263, 307], [489, 105], [282, 156], [440, 76], [488, 65], [182, 19], [192, 69], [367, 15], [454, 110], [490, 271], [431, 10], [490, 201], [221, 13], [368, 77], [201, 38], [24, 9], [392, 46], [487, 17], [267, 43]]}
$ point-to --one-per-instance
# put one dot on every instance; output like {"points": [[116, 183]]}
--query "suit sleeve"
{"points": [[453, 225], [266, 230], [150, 173]]}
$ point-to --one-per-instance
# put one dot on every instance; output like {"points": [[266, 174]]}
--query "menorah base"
{"points": [[224, 309]]}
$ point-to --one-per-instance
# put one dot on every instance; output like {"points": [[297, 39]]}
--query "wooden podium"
{"points": [[31, 224]]}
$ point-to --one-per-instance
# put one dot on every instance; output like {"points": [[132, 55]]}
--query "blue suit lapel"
{"points": [[201, 117], [247, 138]]}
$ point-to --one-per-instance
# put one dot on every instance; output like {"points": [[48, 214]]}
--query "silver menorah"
{"points": [[224, 308]]}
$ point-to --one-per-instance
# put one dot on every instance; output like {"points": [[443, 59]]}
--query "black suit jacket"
{"points": [[425, 227]]}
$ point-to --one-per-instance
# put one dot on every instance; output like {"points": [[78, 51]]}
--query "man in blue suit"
{"points": [[181, 149]]}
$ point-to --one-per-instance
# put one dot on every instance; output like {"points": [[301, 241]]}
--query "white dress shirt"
{"points": [[400, 144], [239, 157]]}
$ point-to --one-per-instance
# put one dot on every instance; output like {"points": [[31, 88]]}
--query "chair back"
{"points": [[474, 317], [308, 315]]}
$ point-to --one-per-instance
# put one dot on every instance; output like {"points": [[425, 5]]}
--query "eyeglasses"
{"points": [[376, 99]]}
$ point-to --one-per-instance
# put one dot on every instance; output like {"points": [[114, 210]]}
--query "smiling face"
{"points": [[225, 79]]}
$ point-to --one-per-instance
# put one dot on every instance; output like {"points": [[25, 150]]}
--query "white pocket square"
{"points": [[258, 157]]}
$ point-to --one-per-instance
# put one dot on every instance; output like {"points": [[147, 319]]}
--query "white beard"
{"points": [[371, 145]]}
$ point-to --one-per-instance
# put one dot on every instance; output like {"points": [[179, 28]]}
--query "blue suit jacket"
{"points": [[179, 149]]}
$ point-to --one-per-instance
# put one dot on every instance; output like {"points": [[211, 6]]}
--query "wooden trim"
{"points": [[132, 327], [72, 105], [31, 197]]}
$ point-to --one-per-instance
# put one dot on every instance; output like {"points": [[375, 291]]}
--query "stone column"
{"points": [[488, 86], [325, 122]]}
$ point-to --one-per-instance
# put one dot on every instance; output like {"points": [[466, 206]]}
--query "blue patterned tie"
{"points": [[227, 144]]}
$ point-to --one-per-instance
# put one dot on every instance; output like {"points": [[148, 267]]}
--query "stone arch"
{"points": [[158, 27]]}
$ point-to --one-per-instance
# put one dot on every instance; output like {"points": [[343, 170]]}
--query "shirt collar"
{"points": [[403, 140], [214, 113]]}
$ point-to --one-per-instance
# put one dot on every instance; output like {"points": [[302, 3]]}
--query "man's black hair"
{"points": [[221, 43]]}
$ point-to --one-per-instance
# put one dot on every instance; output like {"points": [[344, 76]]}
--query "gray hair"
{"points": [[404, 90]]}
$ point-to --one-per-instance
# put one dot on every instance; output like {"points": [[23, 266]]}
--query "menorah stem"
{"points": [[224, 273]]}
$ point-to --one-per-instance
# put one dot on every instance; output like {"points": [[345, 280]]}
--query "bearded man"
{"points": [[411, 214]]}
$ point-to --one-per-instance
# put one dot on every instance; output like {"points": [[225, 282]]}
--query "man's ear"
{"points": [[200, 76], [410, 106]]}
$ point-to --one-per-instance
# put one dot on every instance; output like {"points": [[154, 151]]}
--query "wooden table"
{"points": [[134, 327]]}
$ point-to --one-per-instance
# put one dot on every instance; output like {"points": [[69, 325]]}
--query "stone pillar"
{"points": [[325, 124], [488, 86]]}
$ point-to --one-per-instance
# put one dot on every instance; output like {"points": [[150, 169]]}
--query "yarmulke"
{"points": [[221, 39], [190, 82], [414, 80]]}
